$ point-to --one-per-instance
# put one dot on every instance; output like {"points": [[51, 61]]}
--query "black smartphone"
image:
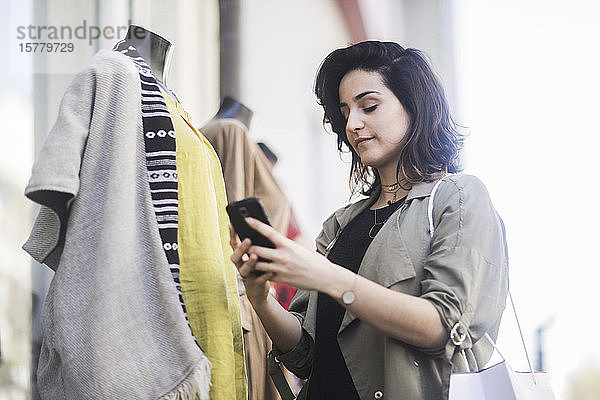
{"points": [[250, 207]]}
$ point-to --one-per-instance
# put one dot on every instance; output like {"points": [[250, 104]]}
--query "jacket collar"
{"points": [[422, 189], [345, 215]]}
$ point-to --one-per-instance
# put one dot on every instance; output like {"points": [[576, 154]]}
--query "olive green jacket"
{"points": [[462, 269]]}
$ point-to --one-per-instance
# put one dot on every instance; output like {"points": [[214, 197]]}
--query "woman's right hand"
{"points": [[257, 286]]}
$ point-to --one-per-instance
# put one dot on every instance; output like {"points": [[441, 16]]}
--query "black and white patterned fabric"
{"points": [[161, 160]]}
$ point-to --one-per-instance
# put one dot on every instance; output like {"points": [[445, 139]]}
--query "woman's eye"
{"points": [[370, 109]]}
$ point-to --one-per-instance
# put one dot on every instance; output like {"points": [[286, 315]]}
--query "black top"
{"points": [[330, 377]]}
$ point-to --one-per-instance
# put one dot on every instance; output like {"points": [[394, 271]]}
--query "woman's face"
{"points": [[376, 120]]}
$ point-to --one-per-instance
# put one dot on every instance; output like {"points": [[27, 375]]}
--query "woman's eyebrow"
{"points": [[363, 94], [359, 96]]}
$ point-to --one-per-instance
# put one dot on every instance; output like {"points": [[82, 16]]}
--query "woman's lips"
{"points": [[360, 141]]}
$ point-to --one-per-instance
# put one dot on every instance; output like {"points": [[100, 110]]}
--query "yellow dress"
{"points": [[207, 275]]}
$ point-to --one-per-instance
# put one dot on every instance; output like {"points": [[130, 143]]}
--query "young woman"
{"points": [[388, 306]]}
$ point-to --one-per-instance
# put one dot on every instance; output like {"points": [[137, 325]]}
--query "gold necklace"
{"points": [[393, 188]]}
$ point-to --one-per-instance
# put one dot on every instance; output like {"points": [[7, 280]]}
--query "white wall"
{"points": [[283, 43]]}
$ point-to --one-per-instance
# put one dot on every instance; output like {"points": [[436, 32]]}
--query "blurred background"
{"points": [[521, 75]]}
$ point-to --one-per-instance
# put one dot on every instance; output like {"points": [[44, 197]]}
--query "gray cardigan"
{"points": [[462, 270], [112, 324]]}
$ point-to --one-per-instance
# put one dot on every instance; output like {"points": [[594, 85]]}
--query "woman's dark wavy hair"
{"points": [[432, 142]]}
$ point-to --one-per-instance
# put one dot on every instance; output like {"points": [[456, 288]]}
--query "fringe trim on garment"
{"points": [[195, 386]]}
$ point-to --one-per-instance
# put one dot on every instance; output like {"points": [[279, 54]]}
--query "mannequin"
{"points": [[232, 108], [268, 153], [201, 229], [156, 51], [140, 348]]}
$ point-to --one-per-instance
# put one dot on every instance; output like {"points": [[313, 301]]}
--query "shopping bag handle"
{"points": [[493, 343]]}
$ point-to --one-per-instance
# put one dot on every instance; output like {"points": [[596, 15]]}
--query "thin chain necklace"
{"points": [[375, 223]]}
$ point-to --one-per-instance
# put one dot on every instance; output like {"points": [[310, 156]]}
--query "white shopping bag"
{"points": [[500, 382]]}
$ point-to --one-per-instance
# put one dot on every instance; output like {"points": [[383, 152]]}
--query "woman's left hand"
{"points": [[292, 263]]}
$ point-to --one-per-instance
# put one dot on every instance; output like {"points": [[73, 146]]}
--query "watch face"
{"points": [[348, 297]]}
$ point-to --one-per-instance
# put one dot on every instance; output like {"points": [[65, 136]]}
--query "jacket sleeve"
{"points": [[299, 359], [466, 272]]}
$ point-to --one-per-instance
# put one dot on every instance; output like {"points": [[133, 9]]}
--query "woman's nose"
{"points": [[354, 123]]}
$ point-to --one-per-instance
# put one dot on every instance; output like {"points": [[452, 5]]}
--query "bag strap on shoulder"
{"points": [[430, 206]]}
